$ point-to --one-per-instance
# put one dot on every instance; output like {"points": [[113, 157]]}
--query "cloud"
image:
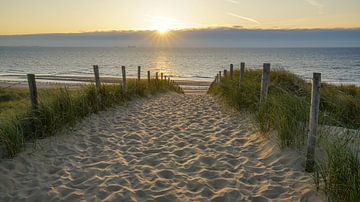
{"points": [[206, 37], [232, 1], [244, 18], [316, 4]]}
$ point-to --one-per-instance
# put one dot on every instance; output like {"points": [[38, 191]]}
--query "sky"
{"points": [[76, 16], [180, 23]]}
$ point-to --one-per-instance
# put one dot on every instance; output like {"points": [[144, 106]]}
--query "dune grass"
{"points": [[286, 112], [61, 107], [339, 173]]}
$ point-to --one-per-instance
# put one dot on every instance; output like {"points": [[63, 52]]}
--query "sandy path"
{"points": [[167, 148]]}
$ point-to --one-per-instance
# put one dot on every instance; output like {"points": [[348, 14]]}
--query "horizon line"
{"points": [[186, 29]]}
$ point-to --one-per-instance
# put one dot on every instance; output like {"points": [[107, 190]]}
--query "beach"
{"points": [[167, 147]]}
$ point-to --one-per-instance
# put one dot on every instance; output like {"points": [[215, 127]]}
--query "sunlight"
{"points": [[163, 24], [162, 29]]}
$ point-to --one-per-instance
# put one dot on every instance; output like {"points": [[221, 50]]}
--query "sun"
{"points": [[162, 29]]}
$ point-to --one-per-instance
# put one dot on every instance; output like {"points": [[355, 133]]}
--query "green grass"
{"points": [[286, 111], [61, 107], [340, 172]]}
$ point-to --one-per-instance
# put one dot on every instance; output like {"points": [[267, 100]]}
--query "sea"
{"points": [[337, 65]]}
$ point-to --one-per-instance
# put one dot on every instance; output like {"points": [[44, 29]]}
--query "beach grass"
{"points": [[62, 107], [286, 111], [339, 173]]}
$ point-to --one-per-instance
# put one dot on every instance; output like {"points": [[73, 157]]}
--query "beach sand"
{"points": [[168, 147]]}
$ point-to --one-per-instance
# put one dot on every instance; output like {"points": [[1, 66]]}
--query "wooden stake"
{"points": [[148, 74], [162, 76], [313, 121], [231, 71], [225, 73], [242, 71], [34, 100], [265, 82], [33, 94], [139, 73], [157, 76], [97, 79], [219, 75], [124, 77]]}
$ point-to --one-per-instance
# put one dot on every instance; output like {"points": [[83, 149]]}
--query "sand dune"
{"points": [[166, 148]]}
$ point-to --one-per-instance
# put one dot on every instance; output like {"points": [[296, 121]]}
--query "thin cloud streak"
{"points": [[232, 1], [244, 18], [317, 5]]}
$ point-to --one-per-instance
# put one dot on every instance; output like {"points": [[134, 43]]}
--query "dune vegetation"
{"points": [[62, 107], [286, 113]]}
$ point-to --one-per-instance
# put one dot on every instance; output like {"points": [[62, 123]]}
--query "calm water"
{"points": [[335, 64]]}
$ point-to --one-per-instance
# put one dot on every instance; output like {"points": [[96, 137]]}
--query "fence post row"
{"points": [[242, 71], [123, 77], [265, 82], [231, 71], [139, 73], [148, 76], [97, 79], [313, 121]]}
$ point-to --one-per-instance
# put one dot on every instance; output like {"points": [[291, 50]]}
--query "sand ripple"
{"points": [[167, 148]]}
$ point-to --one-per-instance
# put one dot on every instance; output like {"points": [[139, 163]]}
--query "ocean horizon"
{"points": [[337, 65]]}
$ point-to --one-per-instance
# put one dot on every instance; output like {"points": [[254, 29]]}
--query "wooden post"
{"points": [[217, 78], [97, 79], [242, 71], [33, 94], [124, 77], [139, 73], [231, 71], [148, 76], [34, 101], [219, 75], [313, 121], [165, 77], [157, 76], [225, 73], [162, 76], [265, 82], [168, 79]]}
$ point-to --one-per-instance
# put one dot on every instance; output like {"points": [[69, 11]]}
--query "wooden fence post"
{"points": [[157, 76], [242, 71], [97, 79], [225, 73], [169, 79], [124, 77], [148, 74], [139, 73], [231, 71], [165, 77], [265, 82], [313, 121], [162, 76], [34, 100], [33, 94], [219, 75]]}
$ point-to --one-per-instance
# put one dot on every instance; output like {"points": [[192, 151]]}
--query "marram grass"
{"points": [[286, 111], [61, 107]]}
